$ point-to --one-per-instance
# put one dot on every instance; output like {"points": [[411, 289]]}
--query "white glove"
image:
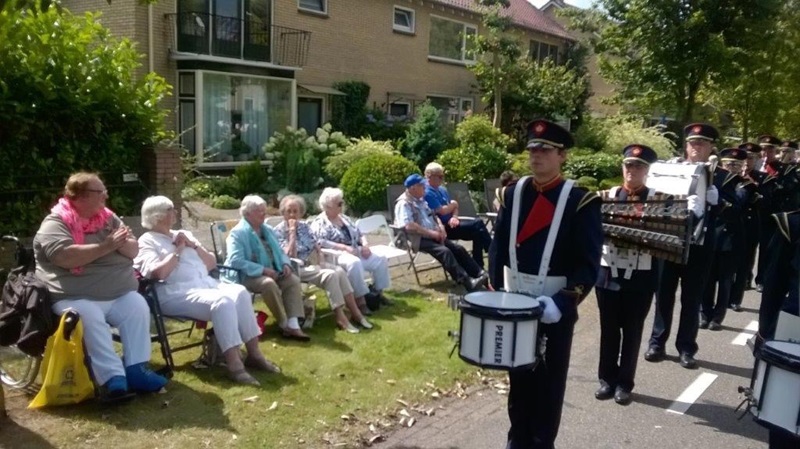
{"points": [[551, 314], [712, 195], [693, 205]]}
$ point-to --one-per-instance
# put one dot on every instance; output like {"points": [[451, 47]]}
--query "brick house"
{"points": [[243, 69]]}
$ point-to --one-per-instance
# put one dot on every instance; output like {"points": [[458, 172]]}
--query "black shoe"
{"points": [[654, 355], [736, 308], [714, 326], [473, 284], [604, 392], [687, 361], [703, 324], [759, 288], [622, 396]]}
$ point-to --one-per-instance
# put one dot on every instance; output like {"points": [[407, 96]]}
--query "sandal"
{"points": [[262, 364], [243, 377]]}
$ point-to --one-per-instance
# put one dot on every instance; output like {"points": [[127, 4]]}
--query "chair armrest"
{"points": [[215, 273]]}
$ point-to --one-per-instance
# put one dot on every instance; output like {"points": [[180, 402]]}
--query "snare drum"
{"points": [[499, 330], [776, 386]]}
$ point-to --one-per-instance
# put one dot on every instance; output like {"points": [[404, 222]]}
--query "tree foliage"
{"points": [[68, 102], [426, 137], [763, 93], [661, 54]]}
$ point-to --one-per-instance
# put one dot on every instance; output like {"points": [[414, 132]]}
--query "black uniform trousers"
{"points": [[720, 281], [536, 397], [475, 231], [692, 278], [767, 229], [744, 274], [454, 258], [622, 315]]}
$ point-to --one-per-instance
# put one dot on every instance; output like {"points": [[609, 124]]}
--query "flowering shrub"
{"points": [[297, 157]]}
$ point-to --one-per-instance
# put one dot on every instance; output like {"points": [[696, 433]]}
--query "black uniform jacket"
{"points": [[577, 250]]}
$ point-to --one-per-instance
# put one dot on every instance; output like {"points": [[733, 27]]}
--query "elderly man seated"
{"points": [[413, 213], [446, 209]]}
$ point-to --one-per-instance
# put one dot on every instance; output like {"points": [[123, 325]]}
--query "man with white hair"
{"points": [[472, 229], [413, 213]]}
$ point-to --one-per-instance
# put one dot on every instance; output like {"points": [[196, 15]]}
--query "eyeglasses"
{"points": [[340, 204], [102, 192]]}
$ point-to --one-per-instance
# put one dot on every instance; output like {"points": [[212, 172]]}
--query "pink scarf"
{"points": [[78, 226]]}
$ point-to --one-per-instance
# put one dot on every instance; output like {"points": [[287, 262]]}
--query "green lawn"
{"points": [[360, 376]]}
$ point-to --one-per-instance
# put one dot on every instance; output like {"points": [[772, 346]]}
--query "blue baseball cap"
{"points": [[413, 180]]}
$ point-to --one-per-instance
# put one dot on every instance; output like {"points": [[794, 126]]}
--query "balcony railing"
{"points": [[232, 37]]}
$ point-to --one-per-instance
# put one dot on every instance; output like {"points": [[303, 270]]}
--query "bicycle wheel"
{"points": [[17, 369]]}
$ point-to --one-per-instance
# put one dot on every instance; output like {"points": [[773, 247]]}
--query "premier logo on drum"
{"points": [[498, 343]]}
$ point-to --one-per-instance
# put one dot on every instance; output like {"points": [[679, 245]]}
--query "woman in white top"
{"points": [[187, 290]]}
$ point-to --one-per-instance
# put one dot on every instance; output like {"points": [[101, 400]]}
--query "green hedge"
{"points": [[364, 184]]}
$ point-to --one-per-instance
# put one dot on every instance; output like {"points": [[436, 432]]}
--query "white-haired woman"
{"points": [[253, 249], [181, 262], [337, 231], [297, 240]]}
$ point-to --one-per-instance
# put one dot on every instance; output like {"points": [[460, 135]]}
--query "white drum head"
{"points": [[501, 300], [786, 347]]}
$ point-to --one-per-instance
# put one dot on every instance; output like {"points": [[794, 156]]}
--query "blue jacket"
{"points": [[246, 253]]}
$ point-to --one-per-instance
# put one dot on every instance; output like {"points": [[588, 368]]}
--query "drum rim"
{"points": [[494, 312], [465, 299], [776, 357], [527, 366]]}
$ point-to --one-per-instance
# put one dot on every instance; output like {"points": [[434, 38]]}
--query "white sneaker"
{"points": [[365, 324]]}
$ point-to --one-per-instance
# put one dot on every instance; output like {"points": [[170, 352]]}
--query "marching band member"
{"points": [[624, 289], [752, 225], [728, 233], [692, 276], [780, 293], [548, 241]]}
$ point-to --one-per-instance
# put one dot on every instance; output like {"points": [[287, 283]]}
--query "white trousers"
{"points": [[355, 267], [129, 314], [229, 307]]}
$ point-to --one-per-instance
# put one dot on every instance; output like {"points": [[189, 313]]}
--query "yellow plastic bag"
{"points": [[65, 376]]}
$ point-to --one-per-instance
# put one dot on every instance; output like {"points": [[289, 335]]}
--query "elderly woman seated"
{"points": [[296, 239], [334, 230], [178, 259], [253, 249], [84, 254]]}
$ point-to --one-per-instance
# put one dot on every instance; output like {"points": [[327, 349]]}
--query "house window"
{"points": [[541, 51], [403, 20], [452, 110], [236, 115], [320, 6], [451, 40], [400, 110]]}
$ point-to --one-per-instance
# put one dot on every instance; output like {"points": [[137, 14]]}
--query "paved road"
{"points": [[481, 422]]}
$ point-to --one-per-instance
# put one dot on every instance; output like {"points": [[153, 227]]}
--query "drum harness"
{"points": [[541, 284], [524, 283]]}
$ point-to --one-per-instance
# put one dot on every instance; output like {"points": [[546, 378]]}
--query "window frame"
{"points": [[548, 49], [412, 14], [323, 12], [407, 105], [455, 118], [464, 44]]}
